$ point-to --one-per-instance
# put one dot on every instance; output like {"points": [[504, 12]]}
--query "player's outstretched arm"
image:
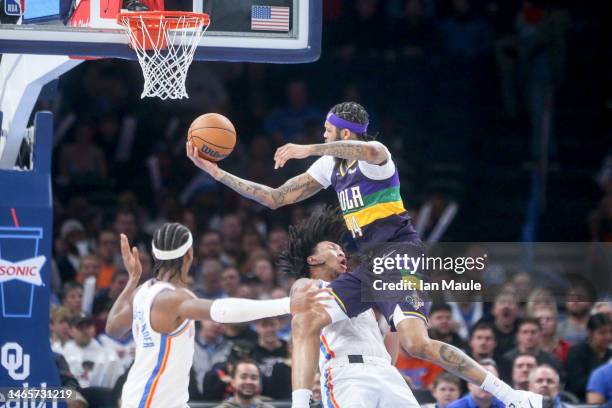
{"points": [[294, 190], [373, 153], [119, 320], [234, 310]]}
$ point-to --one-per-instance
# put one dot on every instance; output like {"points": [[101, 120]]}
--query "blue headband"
{"points": [[346, 124]]}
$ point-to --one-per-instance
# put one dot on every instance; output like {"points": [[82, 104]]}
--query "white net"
{"points": [[165, 46]]}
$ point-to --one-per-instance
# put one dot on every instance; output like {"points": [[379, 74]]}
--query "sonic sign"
{"points": [[26, 234], [19, 275]]}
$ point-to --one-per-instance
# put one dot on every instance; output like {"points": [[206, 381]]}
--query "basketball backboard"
{"points": [[240, 30]]}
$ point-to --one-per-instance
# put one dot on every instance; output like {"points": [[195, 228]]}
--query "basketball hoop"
{"points": [[165, 42]]}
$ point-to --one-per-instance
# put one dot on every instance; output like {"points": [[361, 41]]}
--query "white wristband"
{"points": [[234, 310], [496, 387]]}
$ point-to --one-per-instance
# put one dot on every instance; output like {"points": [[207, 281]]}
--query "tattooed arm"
{"points": [[296, 189], [373, 153]]}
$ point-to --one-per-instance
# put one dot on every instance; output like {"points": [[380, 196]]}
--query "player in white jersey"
{"points": [[161, 314], [354, 364], [356, 369]]}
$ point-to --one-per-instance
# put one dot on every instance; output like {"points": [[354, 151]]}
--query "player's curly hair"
{"points": [[354, 112], [325, 224]]}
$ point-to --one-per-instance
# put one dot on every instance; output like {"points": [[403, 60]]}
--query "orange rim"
{"points": [[171, 18]]}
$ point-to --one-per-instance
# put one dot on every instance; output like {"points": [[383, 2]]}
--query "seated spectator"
{"points": [[271, 353], [210, 247], [208, 280], [523, 283], [446, 389], [578, 302], [441, 325], [82, 160], [505, 319], [59, 327], [126, 222], [73, 239], [278, 239], [540, 298], [266, 277], [217, 385], [91, 364], [528, 340], [599, 387], [482, 341], [245, 379], [522, 365], [251, 241], [72, 297], [89, 266], [210, 348], [466, 314], [106, 297], [108, 253], [478, 397], [231, 231], [551, 343], [544, 380], [584, 357], [230, 281]]}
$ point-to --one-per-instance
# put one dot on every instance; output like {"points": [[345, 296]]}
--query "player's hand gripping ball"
{"points": [[213, 135]]}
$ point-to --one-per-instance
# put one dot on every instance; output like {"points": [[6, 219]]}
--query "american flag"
{"points": [[269, 18]]}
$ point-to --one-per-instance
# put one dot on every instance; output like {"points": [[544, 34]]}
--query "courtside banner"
{"points": [[26, 360]]}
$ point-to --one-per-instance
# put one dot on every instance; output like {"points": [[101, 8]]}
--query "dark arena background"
{"points": [[496, 114]]}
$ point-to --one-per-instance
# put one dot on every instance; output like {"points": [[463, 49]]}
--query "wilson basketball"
{"points": [[214, 136]]}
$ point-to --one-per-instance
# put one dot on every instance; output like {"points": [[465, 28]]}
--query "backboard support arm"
{"points": [[22, 77]]}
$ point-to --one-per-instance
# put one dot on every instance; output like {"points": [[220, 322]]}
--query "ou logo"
{"points": [[15, 361]]}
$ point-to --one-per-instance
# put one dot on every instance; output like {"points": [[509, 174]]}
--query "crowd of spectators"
{"points": [[119, 169]]}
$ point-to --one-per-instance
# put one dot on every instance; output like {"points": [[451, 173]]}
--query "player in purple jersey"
{"points": [[365, 177]]}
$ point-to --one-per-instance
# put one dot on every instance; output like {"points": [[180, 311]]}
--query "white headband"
{"points": [[173, 254]]}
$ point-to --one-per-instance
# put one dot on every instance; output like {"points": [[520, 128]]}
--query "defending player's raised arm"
{"points": [[373, 153], [119, 320], [292, 191]]}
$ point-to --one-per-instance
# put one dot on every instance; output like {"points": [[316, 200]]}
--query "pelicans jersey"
{"points": [[160, 374], [374, 213], [369, 197]]}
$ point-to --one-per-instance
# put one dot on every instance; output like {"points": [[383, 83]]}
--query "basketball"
{"points": [[214, 136]]}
